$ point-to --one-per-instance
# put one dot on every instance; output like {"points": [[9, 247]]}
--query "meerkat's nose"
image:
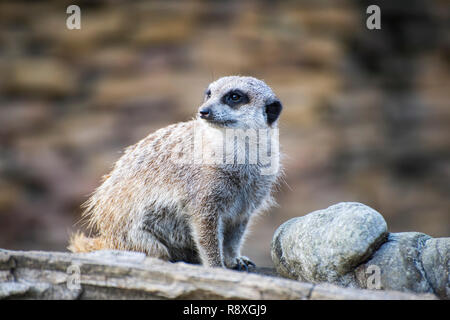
{"points": [[205, 113]]}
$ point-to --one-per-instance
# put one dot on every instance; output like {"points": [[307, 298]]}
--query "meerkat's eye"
{"points": [[234, 98]]}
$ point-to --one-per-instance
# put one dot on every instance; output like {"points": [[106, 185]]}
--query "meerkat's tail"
{"points": [[80, 243]]}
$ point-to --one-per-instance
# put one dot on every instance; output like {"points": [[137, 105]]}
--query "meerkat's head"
{"points": [[240, 102]]}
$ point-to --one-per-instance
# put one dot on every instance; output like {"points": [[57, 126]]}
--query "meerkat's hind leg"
{"points": [[150, 245]]}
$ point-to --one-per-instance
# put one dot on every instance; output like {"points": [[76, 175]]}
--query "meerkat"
{"points": [[192, 211]]}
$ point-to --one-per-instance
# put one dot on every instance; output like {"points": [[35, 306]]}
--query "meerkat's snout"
{"points": [[205, 112]]}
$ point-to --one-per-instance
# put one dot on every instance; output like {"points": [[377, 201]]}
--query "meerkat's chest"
{"points": [[247, 188]]}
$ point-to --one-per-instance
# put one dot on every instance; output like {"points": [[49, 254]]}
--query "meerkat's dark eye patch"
{"points": [[235, 98], [273, 110], [208, 94]]}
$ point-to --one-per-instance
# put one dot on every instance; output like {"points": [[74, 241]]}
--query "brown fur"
{"points": [[80, 243]]}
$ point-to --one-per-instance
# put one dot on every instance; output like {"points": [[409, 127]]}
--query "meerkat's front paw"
{"points": [[241, 263]]}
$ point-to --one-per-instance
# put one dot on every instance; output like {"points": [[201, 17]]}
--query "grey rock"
{"points": [[435, 261], [116, 256], [11, 289], [398, 264], [127, 275], [326, 245], [324, 290]]}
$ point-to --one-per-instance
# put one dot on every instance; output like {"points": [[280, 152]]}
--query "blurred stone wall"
{"points": [[366, 112]]}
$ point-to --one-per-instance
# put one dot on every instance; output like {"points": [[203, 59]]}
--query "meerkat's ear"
{"points": [[273, 110]]}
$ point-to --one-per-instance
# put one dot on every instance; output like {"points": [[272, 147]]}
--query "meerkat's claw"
{"points": [[242, 263]]}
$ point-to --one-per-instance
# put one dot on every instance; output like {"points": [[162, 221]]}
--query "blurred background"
{"points": [[366, 112]]}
